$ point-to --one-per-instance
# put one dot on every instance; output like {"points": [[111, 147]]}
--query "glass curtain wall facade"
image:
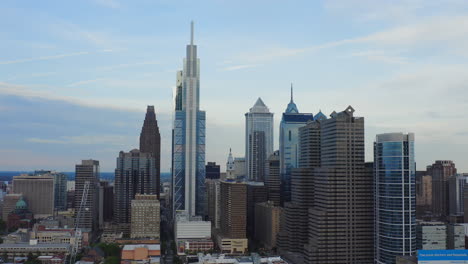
{"points": [[395, 199], [291, 121], [258, 131], [188, 156]]}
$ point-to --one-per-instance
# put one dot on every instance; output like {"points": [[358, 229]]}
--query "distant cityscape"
{"points": [[313, 200]]}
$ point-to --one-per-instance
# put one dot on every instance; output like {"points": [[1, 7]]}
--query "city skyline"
{"points": [[68, 80]]}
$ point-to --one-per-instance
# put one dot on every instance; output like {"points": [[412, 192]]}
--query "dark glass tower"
{"points": [[150, 142]]}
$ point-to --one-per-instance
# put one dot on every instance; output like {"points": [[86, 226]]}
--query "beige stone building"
{"points": [[145, 221], [38, 192]]}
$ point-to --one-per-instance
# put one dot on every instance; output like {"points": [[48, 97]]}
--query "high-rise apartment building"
{"points": [[273, 179], [213, 171], [88, 171], [395, 197], [145, 216], [291, 121], [38, 193], [135, 174], [341, 220], [440, 171], [150, 142], [456, 187], [188, 138], [258, 140]]}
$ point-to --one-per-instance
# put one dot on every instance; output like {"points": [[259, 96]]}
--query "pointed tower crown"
{"points": [[259, 107], [292, 108]]}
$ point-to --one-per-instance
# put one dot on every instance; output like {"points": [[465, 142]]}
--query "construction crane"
{"points": [[78, 218]]}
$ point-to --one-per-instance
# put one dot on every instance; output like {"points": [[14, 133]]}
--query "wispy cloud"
{"points": [[29, 92], [380, 56], [53, 57], [126, 65], [116, 140], [85, 82], [240, 67]]}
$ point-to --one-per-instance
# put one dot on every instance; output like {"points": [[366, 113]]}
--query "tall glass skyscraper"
{"points": [[188, 139], [258, 140], [395, 197], [291, 121]]}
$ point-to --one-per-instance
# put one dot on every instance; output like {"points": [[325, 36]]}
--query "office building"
{"points": [[9, 204], [258, 139], [106, 203], [88, 171], [150, 142], [145, 216], [188, 138], [395, 198], [455, 236], [294, 223], [240, 171], [256, 193], [213, 201], [341, 220], [233, 209], [135, 174], [60, 188], [273, 179], [440, 171], [267, 223], [291, 121], [424, 195], [456, 187], [38, 192], [213, 171], [431, 235]]}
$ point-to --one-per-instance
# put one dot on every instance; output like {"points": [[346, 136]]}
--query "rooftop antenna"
{"points": [[191, 33], [291, 92]]}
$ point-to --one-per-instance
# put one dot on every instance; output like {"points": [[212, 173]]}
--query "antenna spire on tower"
{"points": [[291, 92], [191, 33]]}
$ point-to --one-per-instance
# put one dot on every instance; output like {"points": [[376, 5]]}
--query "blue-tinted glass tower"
{"points": [[188, 149], [291, 121], [395, 197]]}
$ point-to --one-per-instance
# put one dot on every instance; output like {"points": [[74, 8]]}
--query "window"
{"points": [[289, 135]]}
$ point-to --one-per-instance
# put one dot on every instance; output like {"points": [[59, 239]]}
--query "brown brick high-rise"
{"points": [[233, 209], [150, 142]]}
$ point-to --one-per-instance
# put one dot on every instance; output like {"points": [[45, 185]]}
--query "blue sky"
{"points": [[76, 76]]}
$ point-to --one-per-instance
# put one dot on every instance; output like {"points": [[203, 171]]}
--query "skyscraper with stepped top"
{"points": [[188, 138]]}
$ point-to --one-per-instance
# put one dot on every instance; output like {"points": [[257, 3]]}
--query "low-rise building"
{"points": [[191, 230], [232, 245], [33, 247], [440, 236], [45, 235], [138, 254], [226, 259]]}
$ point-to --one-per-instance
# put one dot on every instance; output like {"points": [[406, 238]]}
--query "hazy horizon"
{"points": [[75, 79]]}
